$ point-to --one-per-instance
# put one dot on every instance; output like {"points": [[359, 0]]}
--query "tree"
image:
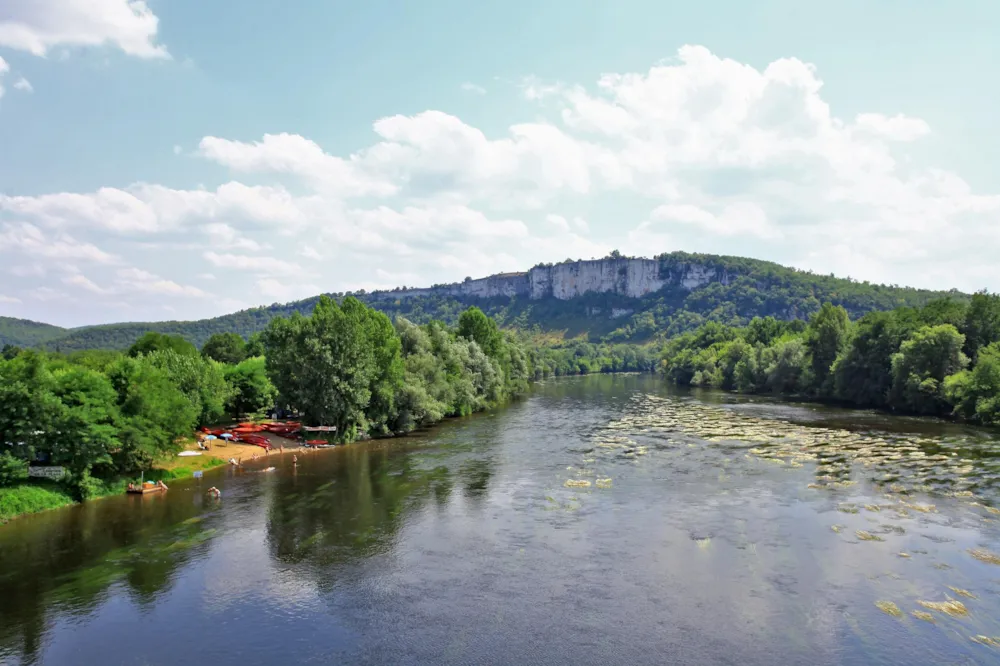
{"points": [[976, 393], [788, 366], [154, 412], [982, 323], [863, 372], [920, 367], [473, 324], [328, 366], [251, 389], [227, 348], [826, 337], [153, 341], [254, 346]]}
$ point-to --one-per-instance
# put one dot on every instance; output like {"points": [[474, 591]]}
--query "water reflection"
{"points": [[714, 529]]}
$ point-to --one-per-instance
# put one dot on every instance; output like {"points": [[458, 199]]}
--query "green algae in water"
{"points": [[950, 607], [923, 615], [889, 608], [985, 556], [577, 483], [962, 593], [604, 483], [867, 536]]}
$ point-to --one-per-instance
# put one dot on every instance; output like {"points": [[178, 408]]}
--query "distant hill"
{"points": [[615, 298], [26, 333]]}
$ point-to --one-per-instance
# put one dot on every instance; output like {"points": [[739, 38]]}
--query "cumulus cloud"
{"points": [[700, 152], [23, 85], [36, 26], [26, 239]]}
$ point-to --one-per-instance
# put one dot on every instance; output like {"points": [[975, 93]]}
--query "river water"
{"points": [[715, 529]]}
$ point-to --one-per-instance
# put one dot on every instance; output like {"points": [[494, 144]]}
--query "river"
{"points": [[715, 529]]}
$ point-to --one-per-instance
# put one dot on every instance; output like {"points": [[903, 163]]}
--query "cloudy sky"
{"points": [[181, 159]]}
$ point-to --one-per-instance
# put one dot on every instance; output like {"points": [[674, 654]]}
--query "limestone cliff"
{"points": [[632, 277]]}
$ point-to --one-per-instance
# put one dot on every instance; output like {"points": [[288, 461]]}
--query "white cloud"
{"points": [[241, 262], [137, 280], [28, 239], [205, 276], [278, 291], [36, 26], [9, 299], [896, 128], [309, 252], [296, 155], [177, 149], [699, 153], [473, 88], [4, 69], [23, 85], [83, 283]]}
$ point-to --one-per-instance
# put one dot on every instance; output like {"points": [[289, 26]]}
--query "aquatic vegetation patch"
{"points": [[962, 593], [889, 608], [577, 483], [950, 607], [867, 536], [923, 615], [985, 556], [986, 640], [604, 483]]}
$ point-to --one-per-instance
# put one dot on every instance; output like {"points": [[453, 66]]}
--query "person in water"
{"points": [[215, 492], [161, 484]]}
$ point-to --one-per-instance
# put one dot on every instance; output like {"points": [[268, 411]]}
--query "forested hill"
{"points": [[616, 298], [26, 333]]}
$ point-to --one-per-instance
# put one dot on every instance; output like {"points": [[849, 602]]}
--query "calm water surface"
{"points": [[714, 530]]}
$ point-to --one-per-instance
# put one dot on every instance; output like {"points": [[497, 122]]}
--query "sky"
{"points": [[180, 159]]}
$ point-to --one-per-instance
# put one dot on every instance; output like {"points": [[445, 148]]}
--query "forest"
{"points": [[941, 359], [105, 416], [752, 288]]}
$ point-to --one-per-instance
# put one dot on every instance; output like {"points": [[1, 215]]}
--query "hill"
{"points": [[616, 299], [27, 333]]}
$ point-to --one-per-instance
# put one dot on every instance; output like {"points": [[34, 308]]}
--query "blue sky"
{"points": [[185, 159]]}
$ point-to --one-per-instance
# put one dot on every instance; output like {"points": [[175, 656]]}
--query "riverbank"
{"points": [[37, 495]]}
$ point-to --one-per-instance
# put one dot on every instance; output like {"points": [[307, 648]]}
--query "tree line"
{"points": [[941, 359], [105, 415]]}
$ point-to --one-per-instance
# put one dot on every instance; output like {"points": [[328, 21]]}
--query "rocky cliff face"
{"points": [[628, 277]]}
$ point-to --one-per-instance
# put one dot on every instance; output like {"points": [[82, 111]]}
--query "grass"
{"points": [[31, 497]]}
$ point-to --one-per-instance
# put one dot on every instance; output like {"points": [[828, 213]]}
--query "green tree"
{"points": [[787, 367], [920, 367], [826, 337], [227, 348], [154, 412], [976, 393], [153, 341], [863, 372], [982, 323], [251, 389], [254, 346], [327, 365], [473, 324]]}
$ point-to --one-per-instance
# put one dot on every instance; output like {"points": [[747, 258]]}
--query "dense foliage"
{"points": [[348, 366], [743, 289], [939, 359]]}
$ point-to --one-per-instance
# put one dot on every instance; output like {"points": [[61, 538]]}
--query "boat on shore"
{"points": [[145, 488]]}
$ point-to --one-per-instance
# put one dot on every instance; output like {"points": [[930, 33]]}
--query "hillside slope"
{"points": [[27, 333], [616, 298]]}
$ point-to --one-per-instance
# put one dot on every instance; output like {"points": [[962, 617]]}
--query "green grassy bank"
{"points": [[34, 495]]}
